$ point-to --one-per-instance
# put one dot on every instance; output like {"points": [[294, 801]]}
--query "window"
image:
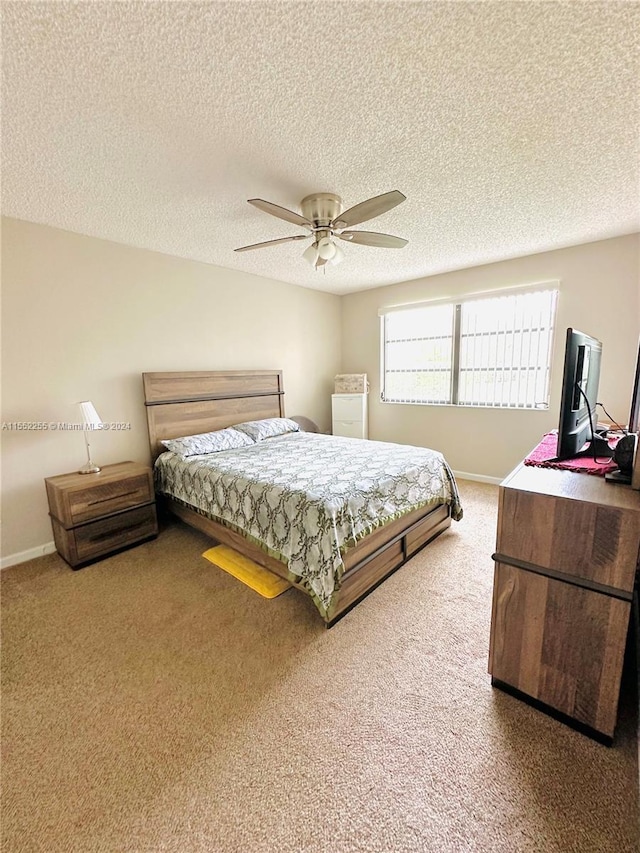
{"points": [[493, 351]]}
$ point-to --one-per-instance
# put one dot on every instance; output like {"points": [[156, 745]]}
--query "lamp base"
{"points": [[89, 469]]}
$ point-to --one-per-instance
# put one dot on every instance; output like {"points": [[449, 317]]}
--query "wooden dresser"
{"points": [[566, 561], [94, 515]]}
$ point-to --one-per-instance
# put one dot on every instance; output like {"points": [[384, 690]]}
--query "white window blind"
{"points": [[418, 350], [493, 351]]}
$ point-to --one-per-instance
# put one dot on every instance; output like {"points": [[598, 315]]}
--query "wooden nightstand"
{"points": [[94, 515]]}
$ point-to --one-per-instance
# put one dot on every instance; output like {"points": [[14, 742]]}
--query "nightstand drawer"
{"points": [[110, 534], [109, 497]]}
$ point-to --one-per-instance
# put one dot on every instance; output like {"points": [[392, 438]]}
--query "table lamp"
{"points": [[91, 420]]}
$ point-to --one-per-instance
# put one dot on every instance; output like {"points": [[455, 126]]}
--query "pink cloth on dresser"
{"points": [[543, 456]]}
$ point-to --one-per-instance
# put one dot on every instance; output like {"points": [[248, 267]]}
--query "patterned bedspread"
{"points": [[307, 497]]}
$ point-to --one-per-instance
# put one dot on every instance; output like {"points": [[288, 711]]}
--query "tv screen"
{"points": [[580, 380]]}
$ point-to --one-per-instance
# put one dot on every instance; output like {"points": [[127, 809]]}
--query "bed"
{"points": [[308, 507]]}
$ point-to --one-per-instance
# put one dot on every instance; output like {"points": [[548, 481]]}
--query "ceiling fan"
{"points": [[323, 217]]}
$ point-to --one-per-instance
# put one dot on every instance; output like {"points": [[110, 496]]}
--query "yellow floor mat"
{"points": [[251, 574]]}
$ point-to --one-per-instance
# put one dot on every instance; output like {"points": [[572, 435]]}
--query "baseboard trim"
{"points": [[30, 554], [477, 478]]}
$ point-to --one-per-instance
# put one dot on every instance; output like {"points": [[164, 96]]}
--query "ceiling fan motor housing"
{"points": [[321, 208]]}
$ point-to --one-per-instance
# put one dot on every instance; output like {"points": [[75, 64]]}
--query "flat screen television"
{"points": [[577, 429]]}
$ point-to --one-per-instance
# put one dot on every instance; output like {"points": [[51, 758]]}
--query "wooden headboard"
{"points": [[191, 402]]}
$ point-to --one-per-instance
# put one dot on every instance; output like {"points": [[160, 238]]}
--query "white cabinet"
{"points": [[349, 415]]}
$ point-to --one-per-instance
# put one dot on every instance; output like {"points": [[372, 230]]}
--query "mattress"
{"points": [[305, 497]]}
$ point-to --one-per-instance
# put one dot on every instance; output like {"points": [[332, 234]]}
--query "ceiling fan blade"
{"points": [[372, 238], [272, 242], [368, 209], [280, 212]]}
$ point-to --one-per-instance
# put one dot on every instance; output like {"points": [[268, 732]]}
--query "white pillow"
{"points": [[208, 442], [267, 428]]}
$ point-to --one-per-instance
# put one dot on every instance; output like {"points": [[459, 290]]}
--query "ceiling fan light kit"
{"points": [[322, 215]]}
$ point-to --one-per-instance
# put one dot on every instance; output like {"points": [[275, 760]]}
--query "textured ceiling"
{"points": [[512, 128]]}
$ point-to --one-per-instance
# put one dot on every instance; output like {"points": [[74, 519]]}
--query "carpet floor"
{"points": [[152, 703]]}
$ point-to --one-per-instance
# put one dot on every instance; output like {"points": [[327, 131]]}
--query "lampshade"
{"points": [[338, 256], [326, 248], [89, 415], [311, 254], [91, 420]]}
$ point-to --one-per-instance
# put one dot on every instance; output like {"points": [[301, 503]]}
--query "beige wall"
{"points": [[83, 318], [599, 294]]}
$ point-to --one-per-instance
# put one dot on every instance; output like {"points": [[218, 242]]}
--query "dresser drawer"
{"points": [[559, 644], [105, 498], [346, 407], [579, 539], [348, 429]]}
